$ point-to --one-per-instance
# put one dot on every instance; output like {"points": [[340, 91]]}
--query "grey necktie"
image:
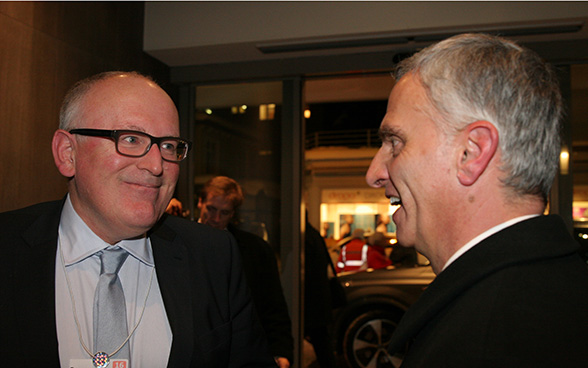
{"points": [[110, 315]]}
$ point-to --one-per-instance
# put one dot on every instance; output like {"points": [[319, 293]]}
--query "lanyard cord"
{"points": [[75, 314]]}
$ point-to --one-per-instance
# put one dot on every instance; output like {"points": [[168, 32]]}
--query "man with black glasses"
{"points": [[103, 278]]}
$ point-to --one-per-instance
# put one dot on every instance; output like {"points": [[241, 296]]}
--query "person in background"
{"points": [[347, 227], [220, 198], [175, 208], [470, 148], [403, 256], [318, 310], [376, 254], [353, 254], [326, 230], [383, 221], [176, 294]]}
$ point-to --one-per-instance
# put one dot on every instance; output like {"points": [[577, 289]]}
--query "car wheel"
{"points": [[366, 339]]}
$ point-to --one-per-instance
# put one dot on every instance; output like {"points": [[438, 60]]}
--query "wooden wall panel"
{"points": [[45, 47]]}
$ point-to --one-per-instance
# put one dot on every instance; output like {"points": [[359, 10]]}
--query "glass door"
{"points": [[237, 133]]}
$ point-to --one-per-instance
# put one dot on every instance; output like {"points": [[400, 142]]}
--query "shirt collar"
{"points": [[79, 242]]}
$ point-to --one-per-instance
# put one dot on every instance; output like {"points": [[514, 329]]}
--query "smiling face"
{"points": [[414, 166], [121, 197]]}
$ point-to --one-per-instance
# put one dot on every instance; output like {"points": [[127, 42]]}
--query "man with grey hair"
{"points": [[470, 146]]}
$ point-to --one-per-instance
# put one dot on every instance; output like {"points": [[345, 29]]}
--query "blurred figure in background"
{"points": [[220, 198], [175, 208], [376, 255], [383, 221], [317, 297], [347, 227], [353, 255]]}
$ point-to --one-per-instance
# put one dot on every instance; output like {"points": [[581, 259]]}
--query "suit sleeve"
{"points": [[249, 343], [268, 297]]}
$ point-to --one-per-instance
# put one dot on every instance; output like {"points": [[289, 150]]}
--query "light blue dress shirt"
{"points": [[150, 345]]}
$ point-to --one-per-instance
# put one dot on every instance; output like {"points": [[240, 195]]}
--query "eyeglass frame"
{"points": [[114, 135]]}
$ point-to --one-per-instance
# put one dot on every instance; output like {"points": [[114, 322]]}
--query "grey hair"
{"points": [[72, 103], [474, 77]]}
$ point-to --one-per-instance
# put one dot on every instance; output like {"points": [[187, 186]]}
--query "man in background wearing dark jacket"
{"points": [[218, 202]]}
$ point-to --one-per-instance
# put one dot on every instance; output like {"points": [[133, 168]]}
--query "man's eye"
{"points": [[168, 146], [131, 139], [396, 144]]}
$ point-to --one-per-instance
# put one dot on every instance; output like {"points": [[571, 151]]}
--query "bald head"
{"points": [[106, 83]]}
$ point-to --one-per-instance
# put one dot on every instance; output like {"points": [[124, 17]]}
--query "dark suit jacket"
{"points": [[208, 305], [261, 271], [318, 309], [517, 299]]}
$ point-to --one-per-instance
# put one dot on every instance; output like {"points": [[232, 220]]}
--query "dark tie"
{"points": [[110, 315]]}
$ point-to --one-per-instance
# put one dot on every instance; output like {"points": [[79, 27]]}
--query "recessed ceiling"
{"points": [[204, 33]]}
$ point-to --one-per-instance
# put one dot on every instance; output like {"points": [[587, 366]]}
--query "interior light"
{"points": [[363, 210], [242, 109], [564, 161], [262, 112], [208, 111], [307, 114]]}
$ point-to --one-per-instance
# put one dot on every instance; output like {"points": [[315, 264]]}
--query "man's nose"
{"points": [[152, 161], [377, 174]]}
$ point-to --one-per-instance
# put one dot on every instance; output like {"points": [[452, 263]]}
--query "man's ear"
{"points": [[64, 152], [481, 143]]}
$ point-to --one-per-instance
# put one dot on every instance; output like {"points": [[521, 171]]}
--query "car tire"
{"points": [[367, 337]]}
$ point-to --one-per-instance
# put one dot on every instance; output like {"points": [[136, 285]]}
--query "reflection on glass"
{"points": [[232, 137]]}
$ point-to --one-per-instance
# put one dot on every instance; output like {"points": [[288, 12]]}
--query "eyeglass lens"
{"points": [[137, 144]]}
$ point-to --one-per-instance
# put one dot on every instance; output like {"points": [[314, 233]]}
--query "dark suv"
{"points": [[377, 299]]}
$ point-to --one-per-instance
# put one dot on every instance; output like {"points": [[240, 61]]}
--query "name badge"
{"points": [[87, 363]]}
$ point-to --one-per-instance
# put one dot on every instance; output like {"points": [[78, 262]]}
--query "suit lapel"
{"points": [[36, 288], [36, 277], [528, 240], [173, 276]]}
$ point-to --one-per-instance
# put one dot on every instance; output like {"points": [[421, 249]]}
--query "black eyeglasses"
{"points": [[136, 144]]}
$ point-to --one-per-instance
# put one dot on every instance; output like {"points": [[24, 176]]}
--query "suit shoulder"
{"points": [[23, 217], [34, 209], [187, 228]]}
